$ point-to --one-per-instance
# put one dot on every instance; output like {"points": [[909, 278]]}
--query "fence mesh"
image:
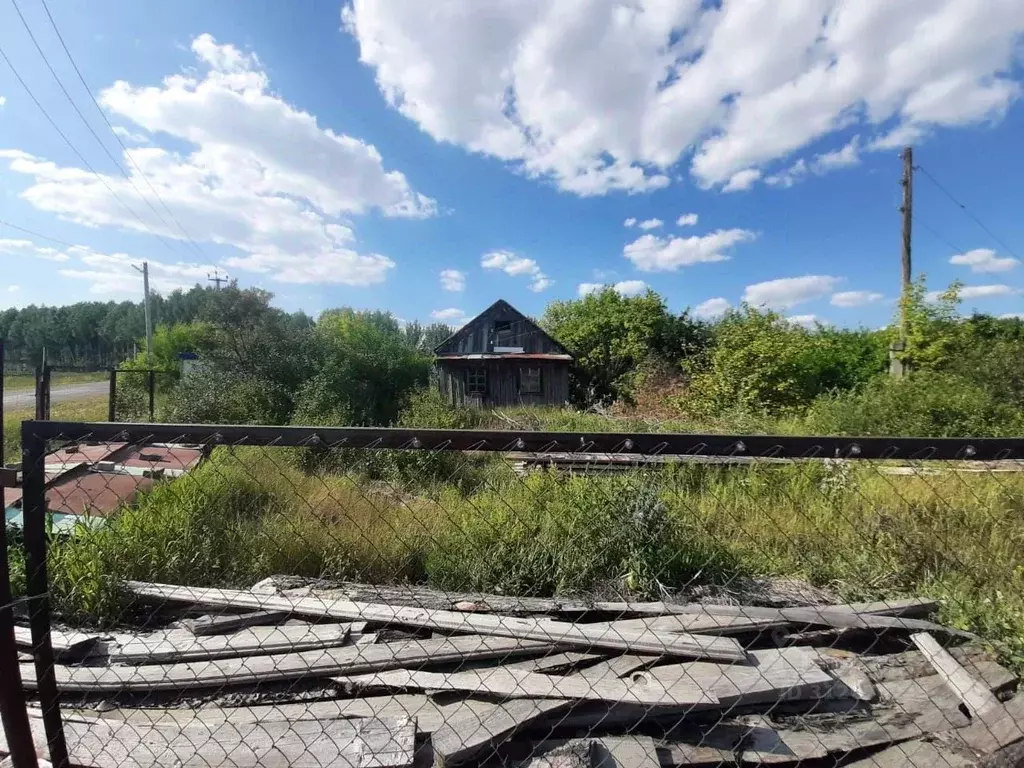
{"points": [[294, 596]]}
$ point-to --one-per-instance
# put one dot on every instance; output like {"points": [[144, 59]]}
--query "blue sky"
{"points": [[428, 158]]}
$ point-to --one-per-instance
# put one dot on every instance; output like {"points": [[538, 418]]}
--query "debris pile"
{"points": [[396, 676]]}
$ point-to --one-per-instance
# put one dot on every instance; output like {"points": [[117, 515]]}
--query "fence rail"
{"points": [[370, 596]]}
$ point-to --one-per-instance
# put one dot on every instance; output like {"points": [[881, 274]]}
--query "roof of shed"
{"points": [[508, 356]]}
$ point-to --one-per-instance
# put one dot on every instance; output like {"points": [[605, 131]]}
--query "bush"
{"points": [[551, 534], [924, 404]]}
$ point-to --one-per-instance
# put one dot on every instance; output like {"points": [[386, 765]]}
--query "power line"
{"points": [[35, 234], [88, 126], [936, 234], [127, 154], [966, 210], [74, 149]]}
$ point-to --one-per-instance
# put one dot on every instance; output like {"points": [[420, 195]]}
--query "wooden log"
{"points": [[324, 662], [505, 683], [546, 630], [624, 752], [972, 692], [175, 646], [217, 625], [916, 753], [67, 646], [471, 733], [996, 729], [358, 743]]}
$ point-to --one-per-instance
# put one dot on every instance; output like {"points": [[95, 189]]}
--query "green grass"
{"points": [[250, 513], [86, 409]]}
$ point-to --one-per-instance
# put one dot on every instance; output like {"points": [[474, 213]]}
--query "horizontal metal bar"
{"points": [[906, 448]]}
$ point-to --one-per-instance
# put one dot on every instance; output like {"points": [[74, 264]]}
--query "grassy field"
{"points": [[475, 525], [25, 382], [86, 409]]}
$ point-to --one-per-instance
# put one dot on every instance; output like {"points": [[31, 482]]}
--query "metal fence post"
{"points": [[12, 695], [112, 405], [151, 385], [33, 465]]}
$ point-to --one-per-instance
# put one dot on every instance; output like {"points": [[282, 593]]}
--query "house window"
{"points": [[529, 381], [503, 333], [476, 381]]}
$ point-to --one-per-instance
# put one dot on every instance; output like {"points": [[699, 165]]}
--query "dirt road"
{"points": [[25, 398]]}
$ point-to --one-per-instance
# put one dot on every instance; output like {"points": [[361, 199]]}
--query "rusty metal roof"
{"points": [[508, 356], [95, 493]]}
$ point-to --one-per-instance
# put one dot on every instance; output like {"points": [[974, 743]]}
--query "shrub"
{"points": [[925, 404], [551, 534]]}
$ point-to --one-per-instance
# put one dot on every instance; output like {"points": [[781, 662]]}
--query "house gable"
{"points": [[500, 329]]}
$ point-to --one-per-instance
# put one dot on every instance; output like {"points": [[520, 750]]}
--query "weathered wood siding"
{"points": [[479, 336], [503, 382]]}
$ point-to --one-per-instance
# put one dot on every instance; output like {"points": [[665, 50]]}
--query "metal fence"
{"points": [[253, 595]]}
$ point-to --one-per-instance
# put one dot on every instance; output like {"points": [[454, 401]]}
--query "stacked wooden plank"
{"points": [[413, 677]]}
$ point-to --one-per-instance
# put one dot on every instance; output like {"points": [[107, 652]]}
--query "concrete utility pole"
{"points": [[896, 365], [149, 317], [216, 278]]}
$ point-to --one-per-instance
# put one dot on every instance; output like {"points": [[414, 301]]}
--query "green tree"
{"points": [[933, 326], [365, 370], [611, 336]]}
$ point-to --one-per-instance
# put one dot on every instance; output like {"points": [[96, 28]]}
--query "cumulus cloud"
{"points": [[598, 95], [818, 165], [26, 248], [712, 308], [986, 291], [649, 224], [127, 135], [12, 288], [651, 253], [113, 273], [453, 280], [984, 260], [687, 220], [517, 266], [258, 175], [630, 222], [448, 315], [849, 299], [806, 321], [623, 288], [742, 180], [787, 292]]}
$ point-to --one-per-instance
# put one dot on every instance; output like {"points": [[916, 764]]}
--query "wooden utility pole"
{"points": [[897, 366], [216, 278], [149, 317]]}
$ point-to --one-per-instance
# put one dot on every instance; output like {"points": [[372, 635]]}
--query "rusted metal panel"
{"points": [[95, 493], [169, 457]]}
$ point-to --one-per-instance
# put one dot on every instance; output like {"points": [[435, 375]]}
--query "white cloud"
{"points": [[787, 292], [630, 222], [623, 288], [712, 308], [984, 260], [127, 135], [259, 175], [986, 291], [1012, 316], [517, 266], [13, 288], [687, 220], [599, 95], [453, 280], [742, 180], [806, 321], [789, 176], [849, 299], [649, 224], [448, 315], [3, 100], [659, 254], [15, 247], [115, 273], [848, 155]]}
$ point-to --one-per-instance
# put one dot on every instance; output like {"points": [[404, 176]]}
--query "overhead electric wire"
{"points": [[103, 114], [73, 148], [89, 127], [35, 234], [966, 210]]}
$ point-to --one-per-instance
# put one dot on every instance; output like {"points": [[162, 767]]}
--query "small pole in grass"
{"points": [[151, 384], [112, 403]]}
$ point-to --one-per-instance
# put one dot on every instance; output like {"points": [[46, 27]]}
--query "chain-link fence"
{"points": [[271, 596]]}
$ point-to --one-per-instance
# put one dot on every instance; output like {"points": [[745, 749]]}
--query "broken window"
{"points": [[529, 381], [503, 333]]}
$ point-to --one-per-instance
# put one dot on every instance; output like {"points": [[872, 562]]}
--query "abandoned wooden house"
{"points": [[502, 358]]}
